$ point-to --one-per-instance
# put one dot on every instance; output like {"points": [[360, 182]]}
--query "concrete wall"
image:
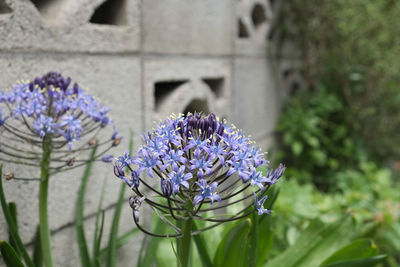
{"points": [[145, 59]]}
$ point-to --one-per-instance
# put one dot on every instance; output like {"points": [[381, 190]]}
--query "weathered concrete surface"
{"points": [[188, 27], [257, 100], [66, 26]]}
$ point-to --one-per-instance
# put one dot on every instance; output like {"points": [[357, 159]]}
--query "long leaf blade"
{"points": [[10, 256], [98, 232], [11, 224], [37, 250], [13, 210], [112, 244], [80, 231]]}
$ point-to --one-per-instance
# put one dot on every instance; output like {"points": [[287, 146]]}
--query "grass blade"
{"points": [[98, 232], [37, 250], [96, 251], [10, 256], [80, 231], [11, 224], [112, 244], [13, 210]]}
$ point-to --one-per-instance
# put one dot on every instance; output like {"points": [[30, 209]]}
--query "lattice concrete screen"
{"points": [[145, 59]]}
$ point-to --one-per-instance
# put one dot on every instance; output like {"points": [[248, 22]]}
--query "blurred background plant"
{"points": [[340, 135]]}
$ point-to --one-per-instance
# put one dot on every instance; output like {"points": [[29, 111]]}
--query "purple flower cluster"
{"points": [[51, 110], [51, 105], [199, 160]]}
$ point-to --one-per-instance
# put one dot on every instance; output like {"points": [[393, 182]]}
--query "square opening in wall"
{"points": [[216, 85], [163, 89], [4, 8], [110, 12]]}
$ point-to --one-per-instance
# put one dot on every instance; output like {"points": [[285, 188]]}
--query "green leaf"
{"points": [[12, 227], [80, 231], [254, 234], [98, 232], [232, 251], [201, 247], [315, 244], [265, 239], [362, 248], [364, 262], [37, 250], [112, 243], [97, 241], [10, 256], [13, 210], [297, 148]]}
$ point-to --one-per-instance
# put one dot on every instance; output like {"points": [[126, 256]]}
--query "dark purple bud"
{"points": [[118, 171], [135, 179], [192, 121], [107, 158], [76, 88], [221, 130], [205, 126], [166, 187], [180, 128], [114, 135], [70, 162], [210, 132], [188, 131], [31, 86], [200, 124], [197, 115]]}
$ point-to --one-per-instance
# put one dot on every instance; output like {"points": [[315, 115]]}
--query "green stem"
{"points": [[45, 236], [184, 243]]}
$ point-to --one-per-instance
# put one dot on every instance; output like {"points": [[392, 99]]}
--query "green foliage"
{"points": [[368, 195], [352, 48], [317, 138]]}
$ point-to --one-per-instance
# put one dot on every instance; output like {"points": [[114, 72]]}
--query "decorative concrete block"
{"points": [[253, 26], [290, 77], [182, 85], [77, 25], [256, 98], [188, 27], [115, 80]]}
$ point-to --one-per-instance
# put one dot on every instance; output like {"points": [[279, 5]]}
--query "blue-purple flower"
{"points": [[259, 205], [199, 161], [48, 105], [52, 109]]}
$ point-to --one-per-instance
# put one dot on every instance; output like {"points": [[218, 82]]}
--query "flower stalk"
{"points": [[44, 229], [184, 242]]}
